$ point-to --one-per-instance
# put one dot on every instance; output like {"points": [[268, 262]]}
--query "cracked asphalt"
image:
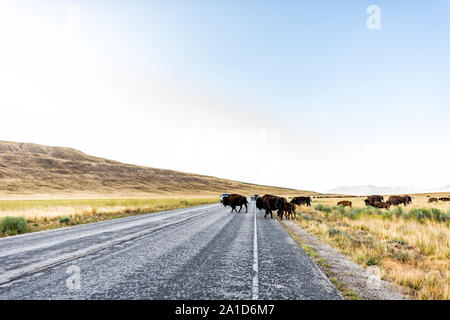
{"points": [[202, 252]]}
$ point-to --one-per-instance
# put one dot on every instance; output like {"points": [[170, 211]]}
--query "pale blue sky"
{"points": [[342, 97]]}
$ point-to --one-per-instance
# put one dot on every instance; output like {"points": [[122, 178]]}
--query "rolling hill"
{"points": [[36, 171]]}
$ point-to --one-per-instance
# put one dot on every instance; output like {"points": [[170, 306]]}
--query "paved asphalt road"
{"points": [[203, 252]]}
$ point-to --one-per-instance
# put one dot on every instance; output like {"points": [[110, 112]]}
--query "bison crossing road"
{"points": [[268, 203], [234, 200]]}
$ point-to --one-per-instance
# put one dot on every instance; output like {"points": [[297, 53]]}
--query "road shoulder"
{"points": [[351, 279]]}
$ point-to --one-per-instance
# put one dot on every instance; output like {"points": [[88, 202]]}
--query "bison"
{"points": [[301, 200], [430, 200], [289, 210], [444, 199], [345, 203], [281, 204], [407, 198], [234, 200], [371, 199], [269, 203], [396, 200], [375, 198], [381, 205]]}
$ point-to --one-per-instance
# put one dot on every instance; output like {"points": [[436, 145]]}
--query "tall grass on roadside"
{"points": [[411, 247], [10, 226], [419, 214]]}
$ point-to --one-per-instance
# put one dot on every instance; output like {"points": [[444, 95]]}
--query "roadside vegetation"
{"points": [[411, 245], [22, 216]]}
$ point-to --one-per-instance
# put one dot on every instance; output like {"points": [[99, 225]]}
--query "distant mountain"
{"points": [[369, 189], [28, 169]]}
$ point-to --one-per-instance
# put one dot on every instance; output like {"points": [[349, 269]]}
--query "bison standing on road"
{"points": [[269, 203], [345, 203], [234, 200]]}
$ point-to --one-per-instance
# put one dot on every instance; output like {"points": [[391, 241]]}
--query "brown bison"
{"points": [[282, 202], [234, 200], [289, 210], [396, 200], [381, 205], [407, 198], [444, 199], [374, 198], [432, 200], [269, 203], [371, 199], [345, 203], [301, 200]]}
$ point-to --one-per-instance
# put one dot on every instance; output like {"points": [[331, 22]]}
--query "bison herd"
{"points": [[438, 199], [285, 208], [378, 201], [268, 203]]}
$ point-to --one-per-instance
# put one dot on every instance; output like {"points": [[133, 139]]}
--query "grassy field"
{"points": [[411, 245], [21, 216]]}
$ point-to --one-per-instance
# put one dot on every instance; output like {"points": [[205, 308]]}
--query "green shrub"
{"points": [[341, 209], [13, 225], [397, 211], [439, 215], [334, 232], [426, 213], [321, 207], [64, 220], [369, 259]]}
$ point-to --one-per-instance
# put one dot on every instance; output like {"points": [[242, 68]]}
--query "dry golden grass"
{"points": [[414, 254], [419, 201], [50, 214]]}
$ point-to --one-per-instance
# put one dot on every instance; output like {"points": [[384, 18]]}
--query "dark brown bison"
{"points": [[432, 200], [282, 203], [301, 200], [407, 198], [396, 200], [234, 200], [259, 203], [345, 203], [371, 199], [289, 210], [381, 205], [269, 203], [375, 198], [444, 199]]}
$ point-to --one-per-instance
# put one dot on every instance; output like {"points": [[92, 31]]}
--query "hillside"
{"points": [[34, 171]]}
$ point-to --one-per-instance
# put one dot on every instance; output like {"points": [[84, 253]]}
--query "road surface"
{"points": [[203, 252]]}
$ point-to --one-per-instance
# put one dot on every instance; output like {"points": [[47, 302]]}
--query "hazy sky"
{"points": [[289, 93]]}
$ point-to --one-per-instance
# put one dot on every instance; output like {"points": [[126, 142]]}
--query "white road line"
{"points": [[255, 288]]}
